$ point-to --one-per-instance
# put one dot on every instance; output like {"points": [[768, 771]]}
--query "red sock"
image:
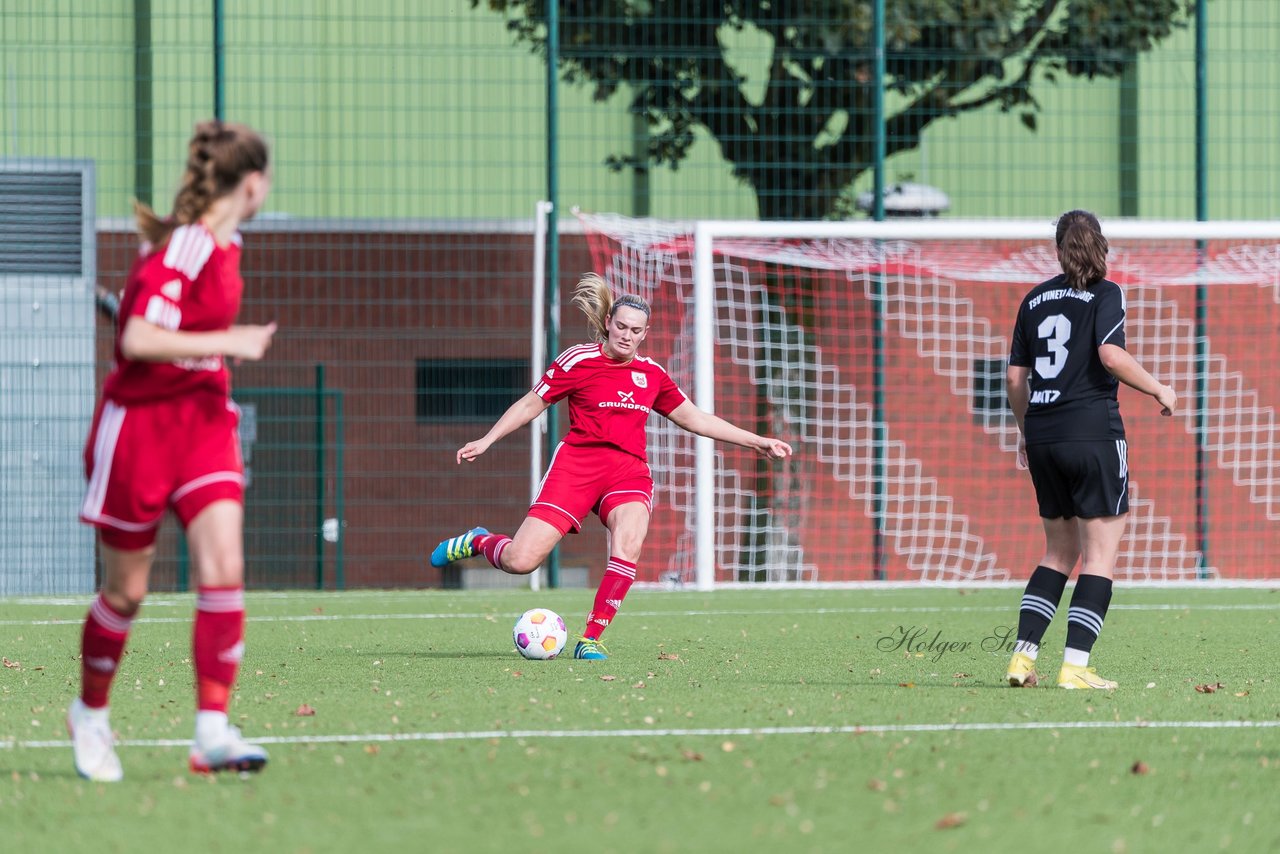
{"points": [[101, 648], [618, 576], [217, 644], [491, 546]]}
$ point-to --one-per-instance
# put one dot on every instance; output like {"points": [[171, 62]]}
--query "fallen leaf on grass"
{"points": [[305, 711], [1210, 688], [639, 684], [692, 756], [12, 665], [961, 675], [608, 678], [1242, 693], [906, 684], [877, 785], [668, 656], [950, 820], [1139, 767]]}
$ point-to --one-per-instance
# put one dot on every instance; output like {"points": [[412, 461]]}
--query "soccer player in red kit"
{"points": [[165, 436], [601, 464]]}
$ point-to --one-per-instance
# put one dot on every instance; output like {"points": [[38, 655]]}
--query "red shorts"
{"points": [[580, 480], [144, 458]]}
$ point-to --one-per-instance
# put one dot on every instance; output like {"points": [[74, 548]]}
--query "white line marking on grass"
{"points": [[761, 612], [180, 599], [868, 729]]}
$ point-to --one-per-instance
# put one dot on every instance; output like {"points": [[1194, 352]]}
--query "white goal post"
{"points": [[751, 299]]}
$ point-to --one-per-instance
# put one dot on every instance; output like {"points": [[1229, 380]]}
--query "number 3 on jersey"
{"points": [[1055, 331]]}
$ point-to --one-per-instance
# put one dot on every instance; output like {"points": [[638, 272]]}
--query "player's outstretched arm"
{"points": [[691, 418], [1125, 368], [517, 415], [143, 341]]}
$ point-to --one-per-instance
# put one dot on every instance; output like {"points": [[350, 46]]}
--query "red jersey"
{"points": [[609, 401], [190, 284]]}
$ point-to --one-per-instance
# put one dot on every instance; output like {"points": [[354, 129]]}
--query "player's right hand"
{"points": [[1168, 400], [249, 342]]}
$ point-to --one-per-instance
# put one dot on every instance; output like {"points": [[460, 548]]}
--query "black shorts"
{"points": [[1087, 479]]}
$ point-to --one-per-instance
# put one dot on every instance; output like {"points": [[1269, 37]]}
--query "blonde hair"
{"points": [[219, 155], [594, 297]]}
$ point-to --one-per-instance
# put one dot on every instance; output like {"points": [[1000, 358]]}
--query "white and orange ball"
{"points": [[540, 634]]}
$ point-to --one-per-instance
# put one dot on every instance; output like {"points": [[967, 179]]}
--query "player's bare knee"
{"points": [[125, 599], [221, 570]]}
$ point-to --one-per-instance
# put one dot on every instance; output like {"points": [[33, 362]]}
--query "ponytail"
{"points": [[593, 297], [1082, 250], [219, 155]]}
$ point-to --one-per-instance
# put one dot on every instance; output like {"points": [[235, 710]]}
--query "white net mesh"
{"points": [[795, 356]]}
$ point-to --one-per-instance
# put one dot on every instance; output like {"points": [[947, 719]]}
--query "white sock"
{"points": [[1075, 657], [1027, 648], [98, 715], [210, 726]]}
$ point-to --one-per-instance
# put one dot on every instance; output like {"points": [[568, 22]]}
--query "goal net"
{"points": [[878, 350]]}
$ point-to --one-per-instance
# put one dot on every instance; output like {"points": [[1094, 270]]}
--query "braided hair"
{"points": [[219, 155]]}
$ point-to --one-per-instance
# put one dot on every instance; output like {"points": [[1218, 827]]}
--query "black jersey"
{"points": [[1057, 335]]}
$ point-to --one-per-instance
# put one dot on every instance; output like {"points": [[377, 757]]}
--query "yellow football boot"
{"points": [[1075, 676], [1022, 671]]}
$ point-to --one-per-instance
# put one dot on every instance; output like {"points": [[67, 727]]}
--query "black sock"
{"points": [[1088, 610], [1039, 603]]}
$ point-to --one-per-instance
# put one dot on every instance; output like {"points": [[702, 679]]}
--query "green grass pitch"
{"points": [[743, 720]]}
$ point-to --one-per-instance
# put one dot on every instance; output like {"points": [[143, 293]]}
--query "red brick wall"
{"points": [[366, 306]]}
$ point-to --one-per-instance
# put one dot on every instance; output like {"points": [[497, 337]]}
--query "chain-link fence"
{"points": [[412, 140]]}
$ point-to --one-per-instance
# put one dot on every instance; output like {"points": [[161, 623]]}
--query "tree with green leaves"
{"points": [[795, 123]]}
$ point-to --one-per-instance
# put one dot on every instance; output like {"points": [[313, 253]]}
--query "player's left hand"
{"points": [[774, 449]]}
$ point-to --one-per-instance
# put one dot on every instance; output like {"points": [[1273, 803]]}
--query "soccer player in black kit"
{"points": [[1065, 365]]}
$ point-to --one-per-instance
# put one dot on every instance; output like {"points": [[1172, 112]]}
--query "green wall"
{"points": [[387, 109]]}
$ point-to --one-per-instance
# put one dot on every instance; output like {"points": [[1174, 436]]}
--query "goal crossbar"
{"points": [[706, 232]]}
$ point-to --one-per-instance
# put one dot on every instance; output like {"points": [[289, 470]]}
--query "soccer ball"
{"points": [[540, 634]]}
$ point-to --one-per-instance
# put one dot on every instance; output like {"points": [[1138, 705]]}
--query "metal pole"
{"points": [[142, 102], [704, 395], [339, 506], [877, 297], [1202, 296], [217, 60], [319, 425], [538, 356], [553, 237]]}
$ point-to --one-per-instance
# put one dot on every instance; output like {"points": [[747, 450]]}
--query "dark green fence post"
{"points": [[218, 51], [339, 511], [320, 412], [877, 298], [1202, 296], [553, 238]]}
